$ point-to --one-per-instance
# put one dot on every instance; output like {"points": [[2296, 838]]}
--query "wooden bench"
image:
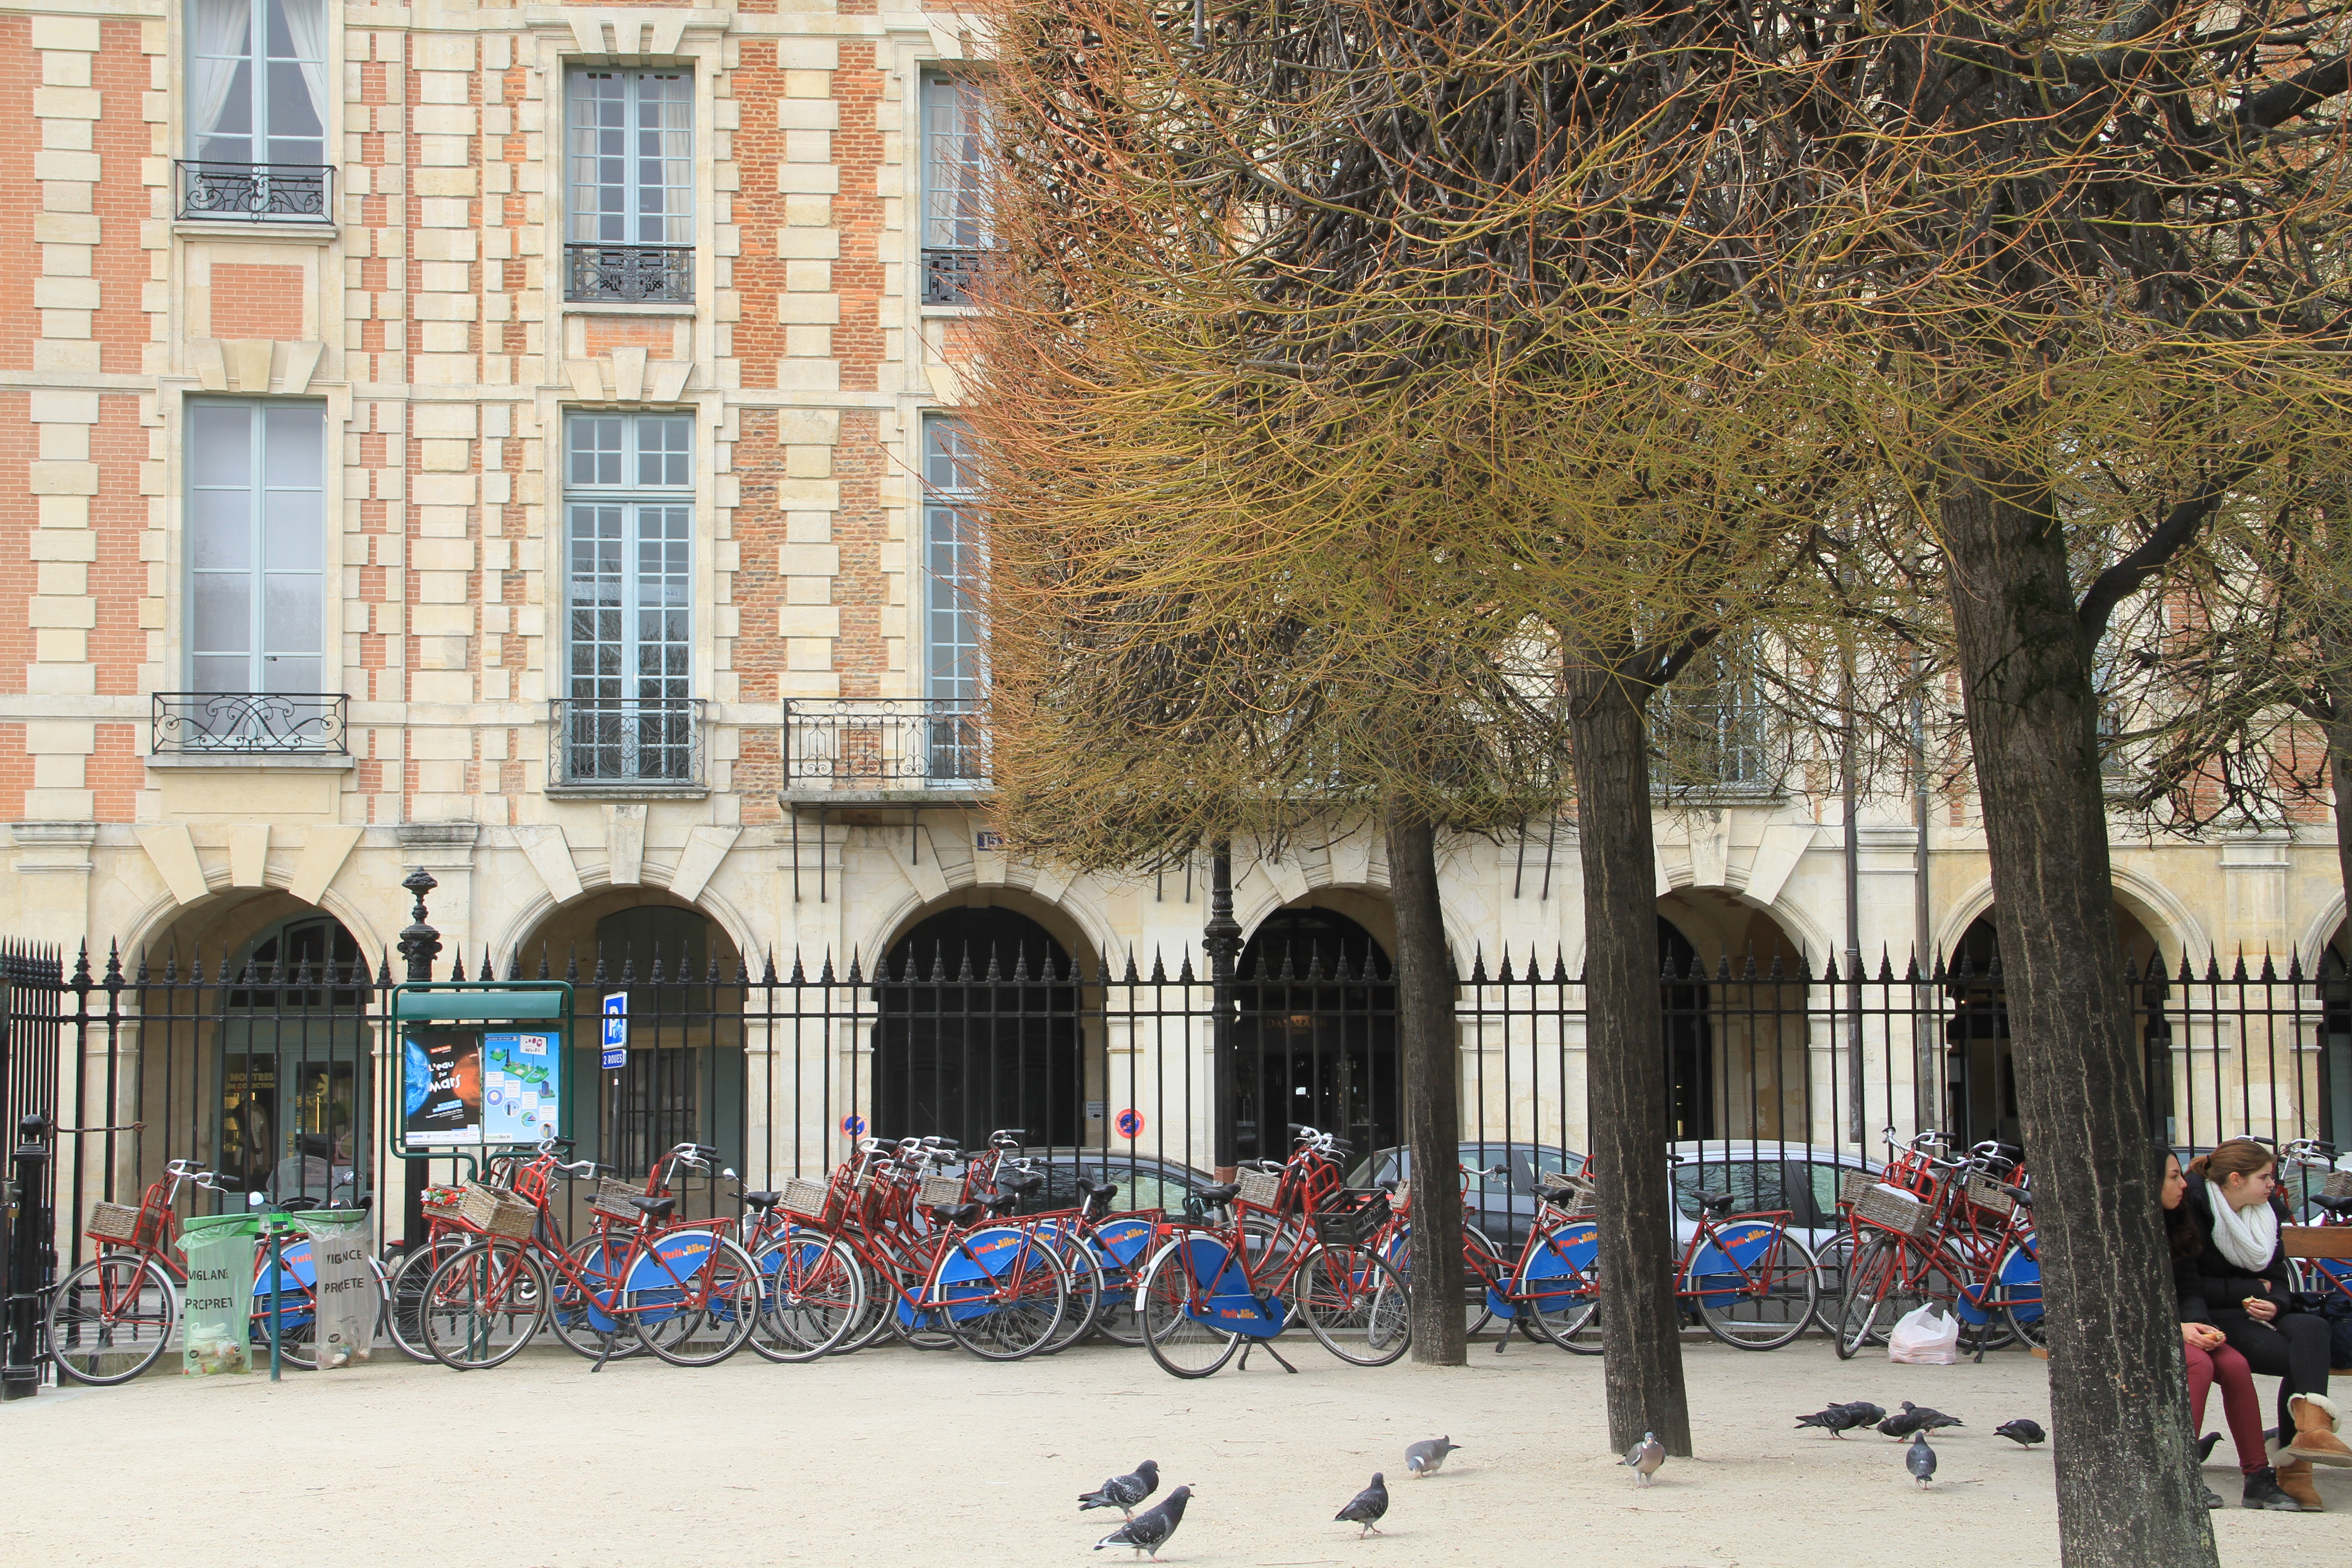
{"points": [[2330, 1241]]}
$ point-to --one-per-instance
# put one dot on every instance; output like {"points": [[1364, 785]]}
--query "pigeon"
{"points": [[1425, 1458], [1920, 1460], [1123, 1492], [2205, 1447], [1865, 1414], [1367, 1507], [1644, 1456], [1833, 1420], [1916, 1419], [1149, 1532], [2021, 1432]]}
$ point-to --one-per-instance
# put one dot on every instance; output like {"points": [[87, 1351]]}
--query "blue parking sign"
{"points": [[616, 1030]]}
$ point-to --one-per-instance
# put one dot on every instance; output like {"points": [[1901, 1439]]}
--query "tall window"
{"points": [[257, 109], [629, 596], [629, 147], [256, 546], [955, 664], [955, 218]]}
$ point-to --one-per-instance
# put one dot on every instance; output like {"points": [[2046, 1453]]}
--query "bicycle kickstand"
{"points": [[603, 1352], [1267, 1346]]}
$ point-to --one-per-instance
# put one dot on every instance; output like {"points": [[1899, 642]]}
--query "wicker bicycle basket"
{"points": [[941, 1192], [1986, 1194], [497, 1213], [810, 1200], [1851, 1189], [1350, 1217], [1890, 1209], [113, 1222], [612, 1200], [1570, 1194], [2339, 1185], [1259, 1188]]}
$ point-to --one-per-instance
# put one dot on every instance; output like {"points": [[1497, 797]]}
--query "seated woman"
{"points": [[2240, 1273], [2210, 1359]]}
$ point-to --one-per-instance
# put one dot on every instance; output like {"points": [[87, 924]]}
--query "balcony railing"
{"points": [[948, 274], [628, 274], [912, 743], [626, 740], [256, 723], [1713, 749], [256, 193]]}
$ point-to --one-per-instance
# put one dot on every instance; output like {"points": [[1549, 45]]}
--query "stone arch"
{"points": [[1311, 1049], [519, 938], [2331, 928]]}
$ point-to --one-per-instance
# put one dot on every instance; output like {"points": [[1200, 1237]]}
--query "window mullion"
{"points": [[255, 506]]}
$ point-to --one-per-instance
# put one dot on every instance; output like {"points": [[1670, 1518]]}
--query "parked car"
{"points": [[1800, 1178], [1502, 1206], [1145, 1181]]}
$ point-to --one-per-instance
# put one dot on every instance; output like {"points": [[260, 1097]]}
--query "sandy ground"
{"points": [[894, 1457]]}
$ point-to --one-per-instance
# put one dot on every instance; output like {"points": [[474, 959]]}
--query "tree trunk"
{"points": [[2337, 678], [1625, 1064], [2126, 1495], [1427, 1040]]}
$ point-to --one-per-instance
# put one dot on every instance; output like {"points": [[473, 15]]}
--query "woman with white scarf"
{"points": [[2240, 1270]]}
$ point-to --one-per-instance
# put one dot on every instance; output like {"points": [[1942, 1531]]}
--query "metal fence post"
{"points": [[27, 1253], [420, 945], [1221, 939]]}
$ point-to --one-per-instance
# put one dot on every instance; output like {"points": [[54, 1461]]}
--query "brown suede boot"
{"points": [[2314, 1432], [2294, 1480]]}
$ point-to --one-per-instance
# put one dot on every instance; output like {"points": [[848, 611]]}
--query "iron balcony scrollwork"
{"points": [[256, 193], [627, 740], [949, 276], [259, 723], [920, 743], [628, 274]]}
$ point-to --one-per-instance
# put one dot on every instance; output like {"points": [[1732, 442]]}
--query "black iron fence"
{"points": [[626, 740], [885, 744], [256, 193], [632, 274], [280, 1075], [199, 723]]}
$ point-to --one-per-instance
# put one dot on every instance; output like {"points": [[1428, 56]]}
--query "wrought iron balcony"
{"points": [[886, 744], [625, 742], [1713, 749], [256, 193], [258, 723], [628, 274], [948, 274]]}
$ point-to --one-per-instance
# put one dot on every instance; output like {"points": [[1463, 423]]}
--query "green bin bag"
{"points": [[214, 1317], [344, 1284]]}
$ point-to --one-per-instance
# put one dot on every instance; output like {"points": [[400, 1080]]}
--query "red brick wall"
{"points": [[658, 339], [759, 273], [20, 199], [858, 212], [250, 301], [861, 592], [119, 72], [115, 772]]}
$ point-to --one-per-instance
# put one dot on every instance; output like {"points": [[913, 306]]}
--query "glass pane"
{"points": [[222, 621], [294, 447], [291, 113], [291, 615], [285, 673], [291, 539], [220, 444], [214, 673], [220, 529]]}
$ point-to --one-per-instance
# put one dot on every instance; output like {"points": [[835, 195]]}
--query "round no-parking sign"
{"points": [[852, 1126], [1129, 1124]]}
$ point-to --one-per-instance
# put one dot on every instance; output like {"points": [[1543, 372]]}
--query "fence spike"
{"points": [[2270, 974], [384, 975], [1314, 964], [458, 966], [2238, 970], [114, 965], [856, 975], [141, 975], [1885, 966], [825, 971], [544, 973], [1185, 969], [1020, 963], [1478, 964], [2293, 967], [489, 971], [2131, 970]]}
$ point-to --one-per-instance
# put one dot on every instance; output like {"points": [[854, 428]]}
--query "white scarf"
{"points": [[2247, 1236]]}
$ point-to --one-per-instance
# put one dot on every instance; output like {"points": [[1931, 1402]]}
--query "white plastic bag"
{"points": [[1925, 1337]]}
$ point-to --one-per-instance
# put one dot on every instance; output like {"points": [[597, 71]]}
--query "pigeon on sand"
{"points": [[1835, 1420], [1425, 1458], [1644, 1456], [1123, 1492], [1920, 1460], [2025, 1433], [1367, 1508], [1149, 1532]]}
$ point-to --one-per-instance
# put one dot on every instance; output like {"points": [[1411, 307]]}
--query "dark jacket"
{"points": [[2210, 1283]]}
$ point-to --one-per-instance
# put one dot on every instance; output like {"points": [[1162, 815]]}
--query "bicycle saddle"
{"points": [[654, 1208], [2338, 1206], [1222, 1193], [762, 1201], [956, 1213], [1021, 1186], [1105, 1191], [1718, 1203], [1001, 1203], [2021, 1195]]}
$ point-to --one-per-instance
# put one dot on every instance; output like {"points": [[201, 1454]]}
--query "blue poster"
{"points": [[521, 1077]]}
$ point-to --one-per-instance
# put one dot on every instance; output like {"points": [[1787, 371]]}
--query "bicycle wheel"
{"points": [[693, 1297], [812, 1294], [1756, 1285], [407, 1290], [1834, 1263], [1876, 1261], [1355, 1303], [1002, 1292], [1179, 1275], [1125, 1245], [1559, 1281], [1481, 1268], [875, 1320], [1088, 1282], [110, 1319], [583, 1315], [2019, 1273], [483, 1304], [1900, 1279]]}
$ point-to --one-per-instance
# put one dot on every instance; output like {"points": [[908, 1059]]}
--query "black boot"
{"points": [[2262, 1491]]}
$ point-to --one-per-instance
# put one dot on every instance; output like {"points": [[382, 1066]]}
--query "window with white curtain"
{"points": [[257, 541], [258, 81], [955, 562], [629, 163], [955, 212], [628, 483]]}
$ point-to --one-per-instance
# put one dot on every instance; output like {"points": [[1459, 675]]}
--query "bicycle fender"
{"points": [[1718, 1267], [1236, 1314], [681, 1255], [1125, 1241], [969, 1274]]}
